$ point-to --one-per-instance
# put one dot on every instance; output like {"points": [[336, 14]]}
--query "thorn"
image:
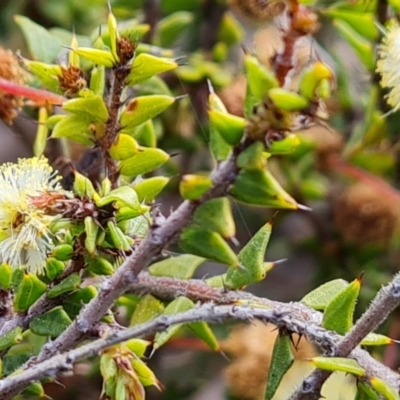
{"points": [[298, 342], [303, 208], [235, 242], [182, 96], [152, 352], [223, 354], [277, 262], [361, 276], [272, 220], [210, 87], [242, 268]]}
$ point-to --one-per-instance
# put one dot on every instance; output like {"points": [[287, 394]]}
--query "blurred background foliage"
{"points": [[347, 168]]}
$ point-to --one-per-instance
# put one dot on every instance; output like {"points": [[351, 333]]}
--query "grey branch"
{"points": [[63, 362], [387, 299], [209, 312]]}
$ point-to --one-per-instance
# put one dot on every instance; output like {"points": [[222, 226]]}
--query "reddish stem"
{"points": [[42, 97]]}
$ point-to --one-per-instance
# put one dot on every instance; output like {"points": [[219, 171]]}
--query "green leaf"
{"points": [[74, 128], [362, 22], [15, 358], [312, 77], [29, 290], [62, 252], [360, 45], [338, 315], [146, 134], [218, 146], [365, 392], [138, 346], [97, 80], [338, 364], [282, 359], [5, 276], [216, 215], [389, 392], [172, 26], [286, 146], [148, 189], [181, 267], [145, 66], [252, 158], [68, 284], [319, 298], [73, 303], [259, 78], [11, 338], [148, 308], [251, 258], [230, 127], [193, 187], [47, 74], [124, 195], [203, 331], [207, 244], [147, 160], [100, 266], [230, 30], [91, 234], [52, 323], [180, 304], [96, 56], [91, 108], [259, 187], [124, 147], [54, 267], [375, 339], [143, 108], [286, 100], [35, 389], [42, 45]]}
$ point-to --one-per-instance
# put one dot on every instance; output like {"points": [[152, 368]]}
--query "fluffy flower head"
{"points": [[25, 237], [388, 64]]}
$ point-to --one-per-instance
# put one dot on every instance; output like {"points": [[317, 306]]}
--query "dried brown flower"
{"points": [[10, 70], [71, 80], [363, 215], [125, 49]]}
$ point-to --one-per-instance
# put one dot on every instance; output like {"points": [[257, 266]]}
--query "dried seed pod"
{"points": [[10, 70], [363, 216]]}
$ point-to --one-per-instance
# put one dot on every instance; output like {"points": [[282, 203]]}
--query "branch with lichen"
{"points": [[209, 312], [387, 299]]}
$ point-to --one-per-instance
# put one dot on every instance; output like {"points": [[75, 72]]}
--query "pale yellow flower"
{"points": [[388, 64], [25, 238]]}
